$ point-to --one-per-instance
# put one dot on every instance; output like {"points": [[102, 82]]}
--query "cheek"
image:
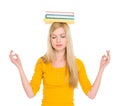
{"points": [[65, 42], [52, 42]]}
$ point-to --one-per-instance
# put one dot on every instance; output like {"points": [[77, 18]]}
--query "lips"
{"points": [[59, 45]]}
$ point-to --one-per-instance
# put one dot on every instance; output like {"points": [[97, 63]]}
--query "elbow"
{"points": [[30, 95], [91, 95]]}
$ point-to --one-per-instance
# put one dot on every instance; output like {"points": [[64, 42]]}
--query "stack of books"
{"points": [[55, 16]]}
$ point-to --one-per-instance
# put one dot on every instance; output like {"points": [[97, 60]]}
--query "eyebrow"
{"points": [[62, 33], [53, 35], [56, 35]]}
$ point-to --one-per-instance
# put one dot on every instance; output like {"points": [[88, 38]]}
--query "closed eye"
{"points": [[63, 35], [53, 37]]}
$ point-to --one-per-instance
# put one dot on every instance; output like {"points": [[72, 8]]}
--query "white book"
{"points": [[59, 12]]}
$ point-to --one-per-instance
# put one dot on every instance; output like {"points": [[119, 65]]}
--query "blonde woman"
{"points": [[60, 70]]}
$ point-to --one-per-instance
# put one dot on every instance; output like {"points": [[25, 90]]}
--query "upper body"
{"points": [[56, 88], [60, 70]]}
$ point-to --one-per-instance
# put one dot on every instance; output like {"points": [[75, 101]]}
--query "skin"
{"points": [[59, 41], [105, 60]]}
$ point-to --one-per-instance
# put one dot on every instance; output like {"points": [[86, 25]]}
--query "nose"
{"points": [[58, 39]]}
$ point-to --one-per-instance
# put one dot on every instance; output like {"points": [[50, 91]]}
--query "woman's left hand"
{"points": [[105, 60]]}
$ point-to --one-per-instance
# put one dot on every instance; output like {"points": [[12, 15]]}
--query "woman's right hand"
{"points": [[15, 59]]}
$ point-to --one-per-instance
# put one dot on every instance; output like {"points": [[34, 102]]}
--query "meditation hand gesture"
{"points": [[105, 60], [15, 59]]}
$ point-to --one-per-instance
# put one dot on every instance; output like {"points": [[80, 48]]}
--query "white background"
{"points": [[96, 29]]}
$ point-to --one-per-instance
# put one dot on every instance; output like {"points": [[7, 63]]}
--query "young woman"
{"points": [[60, 70]]}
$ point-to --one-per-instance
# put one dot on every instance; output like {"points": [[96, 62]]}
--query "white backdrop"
{"points": [[96, 29]]}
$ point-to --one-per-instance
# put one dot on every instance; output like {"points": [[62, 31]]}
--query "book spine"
{"points": [[48, 21], [57, 12], [59, 16]]}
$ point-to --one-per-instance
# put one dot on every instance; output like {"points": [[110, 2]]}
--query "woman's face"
{"points": [[58, 39]]}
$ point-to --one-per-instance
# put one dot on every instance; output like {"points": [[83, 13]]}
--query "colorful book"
{"points": [[58, 12], [58, 16], [54, 16], [49, 21]]}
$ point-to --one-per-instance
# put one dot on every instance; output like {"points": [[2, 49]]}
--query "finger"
{"points": [[11, 51], [104, 57], [108, 54], [16, 56], [12, 56]]}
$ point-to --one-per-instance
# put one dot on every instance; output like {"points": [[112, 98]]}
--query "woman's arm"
{"points": [[104, 62], [16, 61]]}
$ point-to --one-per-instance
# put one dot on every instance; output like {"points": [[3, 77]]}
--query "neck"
{"points": [[60, 56], [59, 60]]}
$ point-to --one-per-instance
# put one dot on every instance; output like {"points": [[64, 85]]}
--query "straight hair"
{"points": [[69, 54]]}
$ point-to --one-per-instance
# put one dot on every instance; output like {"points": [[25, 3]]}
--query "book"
{"points": [[58, 16], [49, 21], [58, 12]]}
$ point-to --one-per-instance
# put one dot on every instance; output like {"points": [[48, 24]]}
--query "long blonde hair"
{"points": [[70, 58]]}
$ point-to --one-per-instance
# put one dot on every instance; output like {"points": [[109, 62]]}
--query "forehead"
{"points": [[59, 31]]}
